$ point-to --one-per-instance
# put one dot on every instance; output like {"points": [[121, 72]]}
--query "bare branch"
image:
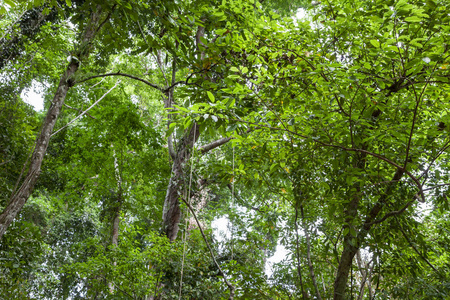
{"points": [[80, 111], [82, 114], [204, 149], [436, 186], [124, 75]]}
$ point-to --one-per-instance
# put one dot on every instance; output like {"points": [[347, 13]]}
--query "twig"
{"points": [[124, 75], [436, 186]]}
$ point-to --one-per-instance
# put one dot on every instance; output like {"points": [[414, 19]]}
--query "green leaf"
{"points": [[346, 231], [234, 69], [375, 43], [211, 96], [10, 3], [413, 19]]}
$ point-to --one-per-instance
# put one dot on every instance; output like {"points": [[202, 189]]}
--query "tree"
{"points": [[335, 93], [20, 196]]}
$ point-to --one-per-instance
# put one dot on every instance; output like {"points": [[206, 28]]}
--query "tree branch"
{"points": [[392, 213], [80, 111], [392, 163], [83, 113], [204, 149], [415, 249], [124, 75], [5, 162]]}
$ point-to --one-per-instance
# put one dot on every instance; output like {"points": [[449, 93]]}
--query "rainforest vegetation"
{"points": [[185, 144]]}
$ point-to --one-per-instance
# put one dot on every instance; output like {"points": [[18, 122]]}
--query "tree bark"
{"points": [[352, 243], [20, 197], [350, 239], [171, 210]]}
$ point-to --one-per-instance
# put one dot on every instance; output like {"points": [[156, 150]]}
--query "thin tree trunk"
{"points": [[20, 197], [117, 208], [364, 274], [308, 253], [350, 249], [353, 243], [299, 266], [115, 230], [350, 239]]}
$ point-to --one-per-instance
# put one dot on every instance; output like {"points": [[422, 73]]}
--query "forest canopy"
{"points": [[320, 128]]}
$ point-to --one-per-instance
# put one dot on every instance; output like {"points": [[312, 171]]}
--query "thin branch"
{"points": [[5, 162], [236, 196], [124, 75], [158, 62], [230, 286], [115, 285], [80, 111], [416, 108], [106, 19], [414, 247], [392, 163], [443, 149], [82, 114], [436, 186], [392, 213], [181, 81], [308, 254]]}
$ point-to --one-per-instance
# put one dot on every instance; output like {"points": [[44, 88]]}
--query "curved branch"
{"points": [[392, 213], [124, 75]]}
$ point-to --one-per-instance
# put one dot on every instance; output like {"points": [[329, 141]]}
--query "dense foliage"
{"points": [[321, 129]]}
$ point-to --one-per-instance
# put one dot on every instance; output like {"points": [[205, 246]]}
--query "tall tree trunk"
{"points": [[172, 211], [20, 197]]}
